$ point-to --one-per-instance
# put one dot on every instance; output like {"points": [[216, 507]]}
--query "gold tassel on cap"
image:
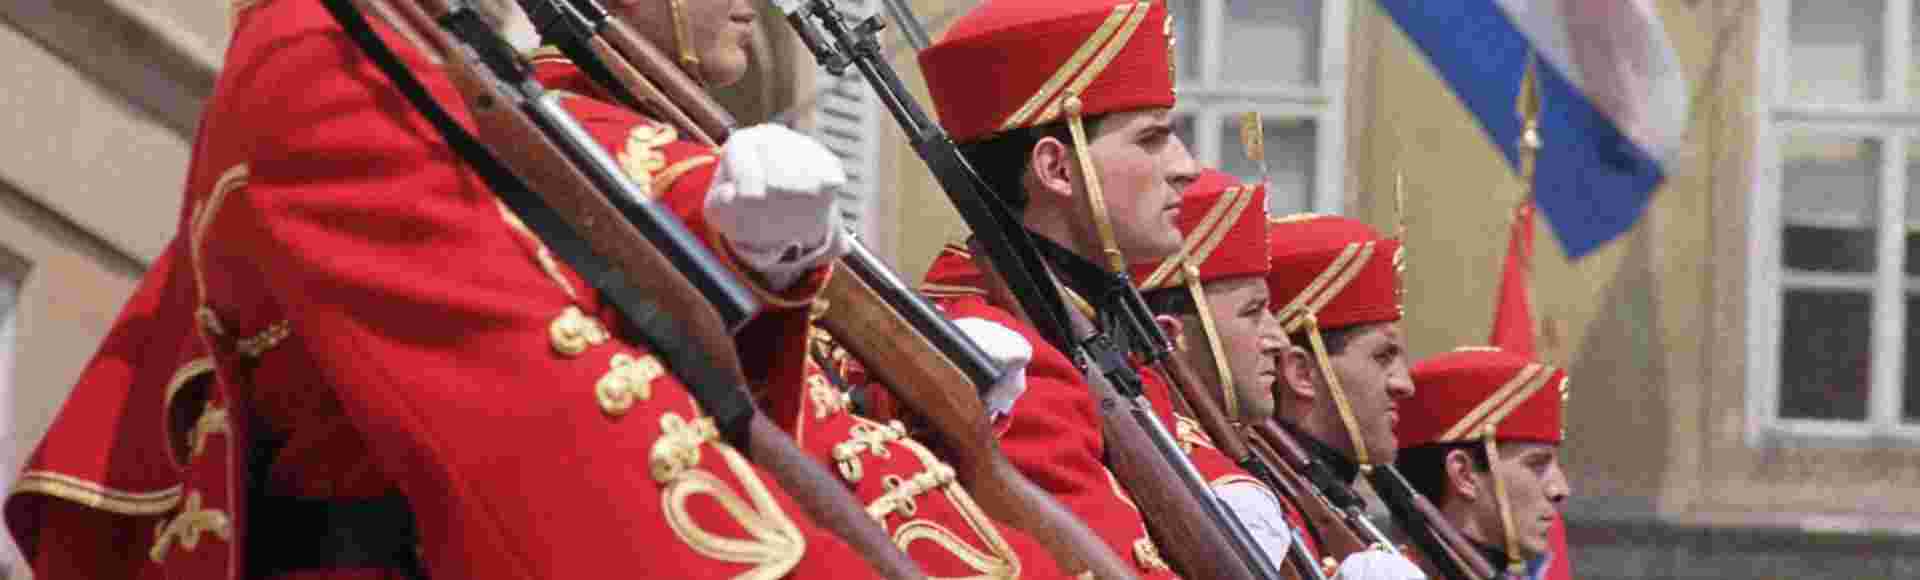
{"points": [[1096, 201], [1339, 394], [1218, 347], [1515, 564]]}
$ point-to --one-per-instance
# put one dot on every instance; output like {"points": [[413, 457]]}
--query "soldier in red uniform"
{"points": [[1336, 291], [910, 491], [1481, 437], [1012, 81], [1211, 296], [353, 362]]}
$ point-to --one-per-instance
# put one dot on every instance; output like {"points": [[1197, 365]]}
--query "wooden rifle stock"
{"points": [[1197, 547], [527, 149], [1445, 552], [1339, 537], [936, 389], [1190, 390], [879, 335]]}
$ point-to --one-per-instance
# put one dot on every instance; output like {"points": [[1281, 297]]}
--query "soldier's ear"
{"points": [[1298, 374], [1461, 472], [1171, 326], [1050, 170]]}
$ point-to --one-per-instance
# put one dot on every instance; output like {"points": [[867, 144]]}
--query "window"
{"points": [[846, 118], [1832, 275], [12, 271], [1286, 60]]}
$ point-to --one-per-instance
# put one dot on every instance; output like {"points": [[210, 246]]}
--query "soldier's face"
{"points": [[1250, 338], [1535, 487], [1143, 166], [1373, 373], [719, 32]]}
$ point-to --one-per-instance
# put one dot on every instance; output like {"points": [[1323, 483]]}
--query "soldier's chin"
{"points": [[725, 67]]}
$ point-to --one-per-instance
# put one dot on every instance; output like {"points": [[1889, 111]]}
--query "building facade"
{"points": [[1742, 406]]}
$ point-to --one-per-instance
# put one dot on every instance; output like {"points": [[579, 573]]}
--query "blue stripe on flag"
{"points": [[1590, 179]]}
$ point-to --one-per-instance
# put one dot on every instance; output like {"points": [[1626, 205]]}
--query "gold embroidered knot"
{"points": [[630, 379], [573, 332], [212, 420], [1190, 434], [641, 157], [678, 448], [1148, 555], [187, 527], [265, 340], [210, 321], [901, 492], [869, 437], [826, 399]]}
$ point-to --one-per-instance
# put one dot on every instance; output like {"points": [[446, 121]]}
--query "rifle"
{"points": [[1234, 445], [1335, 509], [917, 353], [671, 290], [1445, 551], [1201, 534]]}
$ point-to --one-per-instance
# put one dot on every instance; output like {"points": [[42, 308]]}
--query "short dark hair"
{"points": [[1335, 339], [1175, 301], [1425, 467], [1002, 157]]}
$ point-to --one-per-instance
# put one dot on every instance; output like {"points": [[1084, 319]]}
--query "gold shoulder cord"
{"points": [[1214, 344], [1096, 200], [1339, 394], [1515, 565], [683, 40]]}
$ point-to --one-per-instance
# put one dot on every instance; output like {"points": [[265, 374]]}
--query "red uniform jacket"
{"points": [[1053, 432], [910, 491], [341, 287]]}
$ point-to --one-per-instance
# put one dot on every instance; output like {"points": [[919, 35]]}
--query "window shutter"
{"points": [[846, 118]]}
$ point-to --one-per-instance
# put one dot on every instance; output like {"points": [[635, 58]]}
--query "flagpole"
{"points": [[1531, 143]]}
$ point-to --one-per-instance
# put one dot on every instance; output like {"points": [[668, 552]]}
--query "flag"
{"points": [[1513, 310], [1613, 103]]}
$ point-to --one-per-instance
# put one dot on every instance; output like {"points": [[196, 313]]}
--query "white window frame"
{"points": [[1212, 103], [1897, 127]]}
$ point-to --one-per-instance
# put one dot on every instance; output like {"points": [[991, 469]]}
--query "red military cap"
{"points": [[1332, 272], [1009, 64], [1337, 269], [1461, 394], [1224, 223]]}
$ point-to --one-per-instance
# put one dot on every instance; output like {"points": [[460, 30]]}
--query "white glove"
{"points": [[774, 199], [1009, 351], [1378, 565], [1260, 511]]}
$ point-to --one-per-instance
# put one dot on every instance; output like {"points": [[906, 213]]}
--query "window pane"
{"points": [[1829, 188], [1835, 51], [1291, 157], [1825, 345], [1910, 405], [1186, 37], [1271, 41]]}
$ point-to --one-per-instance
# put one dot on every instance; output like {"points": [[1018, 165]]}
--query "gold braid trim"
{"points": [[774, 544], [265, 340], [663, 180], [865, 436], [901, 491], [187, 528], [1515, 565], [1147, 555], [97, 496], [1339, 394]]}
